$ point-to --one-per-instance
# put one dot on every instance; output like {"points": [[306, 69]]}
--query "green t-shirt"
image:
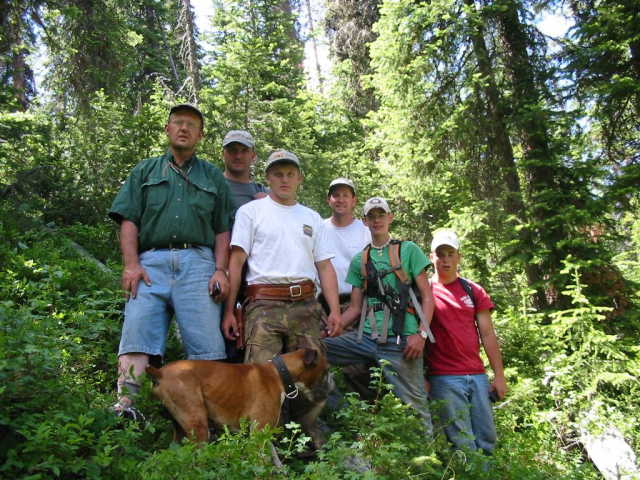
{"points": [[413, 260], [167, 209]]}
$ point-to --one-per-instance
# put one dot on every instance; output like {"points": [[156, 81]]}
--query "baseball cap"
{"points": [[375, 202], [239, 136], [282, 156], [342, 181], [181, 107], [445, 236]]}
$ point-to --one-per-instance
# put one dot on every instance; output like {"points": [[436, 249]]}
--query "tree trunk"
{"points": [[314, 42], [503, 150], [533, 126], [189, 51]]}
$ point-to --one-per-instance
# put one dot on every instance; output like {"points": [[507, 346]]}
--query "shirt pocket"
{"points": [[155, 192], [203, 199]]}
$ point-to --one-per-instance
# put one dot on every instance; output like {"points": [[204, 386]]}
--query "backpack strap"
{"points": [[466, 286], [396, 263], [363, 265]]}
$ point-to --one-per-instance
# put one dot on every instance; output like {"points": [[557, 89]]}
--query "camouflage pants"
{"points": [[274, 327]]}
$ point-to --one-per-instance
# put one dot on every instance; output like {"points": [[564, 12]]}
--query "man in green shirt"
{"points": [[400, 343], [174, 213]]}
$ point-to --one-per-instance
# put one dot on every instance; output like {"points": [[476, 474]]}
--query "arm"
{"points": [[133, 271], [415, 342], [492, 349], [353, 311], [236, 262], [329, 284], [221, 254]]}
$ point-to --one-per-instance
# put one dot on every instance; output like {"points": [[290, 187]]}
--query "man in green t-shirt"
{"points": [[402, 343], [174, 213]]}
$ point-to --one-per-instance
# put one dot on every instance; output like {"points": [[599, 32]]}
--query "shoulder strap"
{"points": [[468, 289], [396, 263], [363, 265]]}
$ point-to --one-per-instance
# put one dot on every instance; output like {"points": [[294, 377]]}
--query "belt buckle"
{"points": [[298, 292]]}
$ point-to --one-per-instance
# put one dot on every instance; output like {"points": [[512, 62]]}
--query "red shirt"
{"points": [[457, 347]]}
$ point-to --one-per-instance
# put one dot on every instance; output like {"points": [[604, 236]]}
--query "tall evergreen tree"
{"points": [[254, 74], [466, 87], [349, 26], [17, 39], [602, 56]]}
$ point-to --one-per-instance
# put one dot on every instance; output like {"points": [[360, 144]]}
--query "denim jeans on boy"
{"points": [[180, 285], [406, 376], [464, 410]]}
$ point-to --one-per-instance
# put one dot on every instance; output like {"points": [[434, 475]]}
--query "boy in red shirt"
{"points": [[454, 368]]}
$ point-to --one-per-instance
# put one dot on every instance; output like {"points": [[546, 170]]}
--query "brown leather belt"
{"points": [[286, 292]]}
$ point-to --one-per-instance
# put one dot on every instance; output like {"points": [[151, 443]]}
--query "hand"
{"points": [[334, 325], [131, 276], [499, 384], [415, 346], [230, 326], [220, 278]]}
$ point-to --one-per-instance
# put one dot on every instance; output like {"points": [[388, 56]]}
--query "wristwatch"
{"points": [[423, 334]]}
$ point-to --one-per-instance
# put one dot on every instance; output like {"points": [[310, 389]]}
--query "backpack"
{"points": [[395, 304]]}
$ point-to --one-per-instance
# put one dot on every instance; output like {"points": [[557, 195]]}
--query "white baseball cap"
{"points": [[445, 236], [375, 202], [239, 136]]}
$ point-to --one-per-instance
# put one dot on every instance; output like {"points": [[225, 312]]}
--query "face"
{"points": [[378, 221], [446, 260], [341, 200], [284, 180], [184, 130], [238, 158]]}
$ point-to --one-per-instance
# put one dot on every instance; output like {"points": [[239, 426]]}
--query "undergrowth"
{"points": [[59, 330]]}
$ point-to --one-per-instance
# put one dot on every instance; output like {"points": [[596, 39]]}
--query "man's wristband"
{"points": [[223, 270]]}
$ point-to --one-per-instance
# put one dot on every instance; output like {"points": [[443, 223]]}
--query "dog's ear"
{"points": [[310, 357]]}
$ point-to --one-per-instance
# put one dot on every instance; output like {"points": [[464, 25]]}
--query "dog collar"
{"points": [[290, 389]]}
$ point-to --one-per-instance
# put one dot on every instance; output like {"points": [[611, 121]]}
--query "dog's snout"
{"points": [[310, 357]]}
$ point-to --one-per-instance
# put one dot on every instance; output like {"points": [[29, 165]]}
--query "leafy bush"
{"points": [[59, 328]]}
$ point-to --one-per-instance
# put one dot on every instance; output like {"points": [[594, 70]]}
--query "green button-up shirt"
{"points": [[167, 209]]}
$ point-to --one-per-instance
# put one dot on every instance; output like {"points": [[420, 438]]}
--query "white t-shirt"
{"points": [[282, 242], [345, 242]]}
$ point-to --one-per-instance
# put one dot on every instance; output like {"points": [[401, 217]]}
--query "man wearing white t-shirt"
{"points": [[285, 248], [346, 234]]}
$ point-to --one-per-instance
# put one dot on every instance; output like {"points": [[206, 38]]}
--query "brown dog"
{"points": [[196, 391]]}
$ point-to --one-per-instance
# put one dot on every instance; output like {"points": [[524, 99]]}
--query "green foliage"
{"points": [[411, 117], [231, 456]]}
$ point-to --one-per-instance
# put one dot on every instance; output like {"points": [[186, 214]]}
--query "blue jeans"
{"points": [[406, 376], [180, 285], [464, 410]]}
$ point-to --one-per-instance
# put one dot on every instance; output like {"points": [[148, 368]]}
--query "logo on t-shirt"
{"points": [[307, 230], [467, 301]]}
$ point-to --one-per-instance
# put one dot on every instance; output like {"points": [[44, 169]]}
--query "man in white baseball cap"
{"points": [[455, 371], [389, 329], [347, 236]]}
